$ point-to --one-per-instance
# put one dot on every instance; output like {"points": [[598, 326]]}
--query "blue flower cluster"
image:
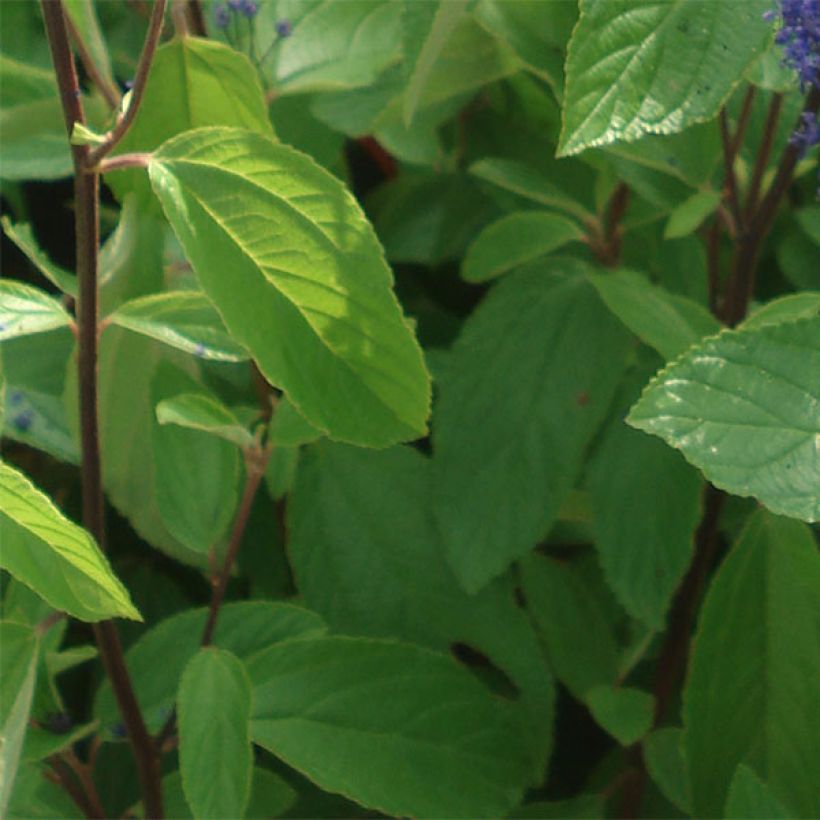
{"points": [[224, 12], [799, 35]]}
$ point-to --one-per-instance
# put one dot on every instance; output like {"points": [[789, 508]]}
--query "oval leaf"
{"points": [[205, 413], [744, 407], [25, 310], [55, 557], [288, 258]]}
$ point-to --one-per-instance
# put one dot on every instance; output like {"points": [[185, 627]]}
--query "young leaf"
{"points": [[530, 380], [20, 656], [197, 411], [666, 764], [183, 319], [243, 628], [55, 557], [743, 407], [580, 641], [804, 305], [751, 694], [751, 799], [689, 215], [367, 558], [663, 320], [294, 268], [635, 69], [215, 756], [624, 712], [25, 310], [397, 728], [193, 83], [515, 239]]}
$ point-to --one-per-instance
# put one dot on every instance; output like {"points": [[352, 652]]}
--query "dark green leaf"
{"points": [[666, 763], [624, 712], [751, 799]]}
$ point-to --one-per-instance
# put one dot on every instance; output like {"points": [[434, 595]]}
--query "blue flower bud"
{"points": [[22, 421], [15, 397], [249, 8], [284, 28], [222, 16]]}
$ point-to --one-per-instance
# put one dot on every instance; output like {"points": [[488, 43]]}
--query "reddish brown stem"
{"points": [[763, 153], [104, 84]]}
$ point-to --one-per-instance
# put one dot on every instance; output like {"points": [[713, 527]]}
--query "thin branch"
{"points": [[765, 149], [62, 778], [730, 182], [87, 231], [83, 773], [140, 80], [713, 263], [743, 120], [105, 85], [138, 159]]}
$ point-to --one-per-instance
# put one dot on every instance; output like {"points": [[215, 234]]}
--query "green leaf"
{"points": [[529, 382], [575, 628], [446, 15], [751, 695], [689, 215], [634, 69], [55, 557], [20, 656], [23, 237], [41, 744], [666, 763], [394, 727], [367, 557], [185, 320], [200, 412], [750, 798], [646, 504], [197, 474], [663, 320], [193, 83], [35, 797], [25, 310], [788, 308], [297, 273], [516, 239], [624, 712], [289, 428], [213, 712], [243, 629], [588, 806], [742, 406]]}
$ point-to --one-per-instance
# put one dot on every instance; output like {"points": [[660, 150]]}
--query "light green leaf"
{"points": [[751, 799], [575, 628], [297, 273], [332, 45], [25, 310], [289, 428], [213, 713], [524, 180], [751, 695], [183, 319], [447, 15], [200, 412], [193, 83], [804, 305], [397, 728], [367, 557], [635, 69], [197, 474], [663, 320], [35, 797], [622, 711], [646, 504], [516, 239], [689, 215], [23, 237], [243, 629], [20, 656], [55, 557], [666, 764], [743, 407], [529, 381]]}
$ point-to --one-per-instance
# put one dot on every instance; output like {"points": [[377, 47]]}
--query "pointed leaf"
{"points": [[215, 756], [529, 382], [751, 695], [689, 215], [804, 305], [22, 236], [289, 428], [25, 310], [183, 319], [666, 321], [515, 239], [666, 763], [624, 712], [744, 407], [751, 799], [635, 69], [394, 727], [296, 271], [199, 412], [55, 557]]}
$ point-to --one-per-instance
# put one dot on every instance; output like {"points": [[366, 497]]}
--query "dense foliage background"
{"points": [[459, 405]]}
